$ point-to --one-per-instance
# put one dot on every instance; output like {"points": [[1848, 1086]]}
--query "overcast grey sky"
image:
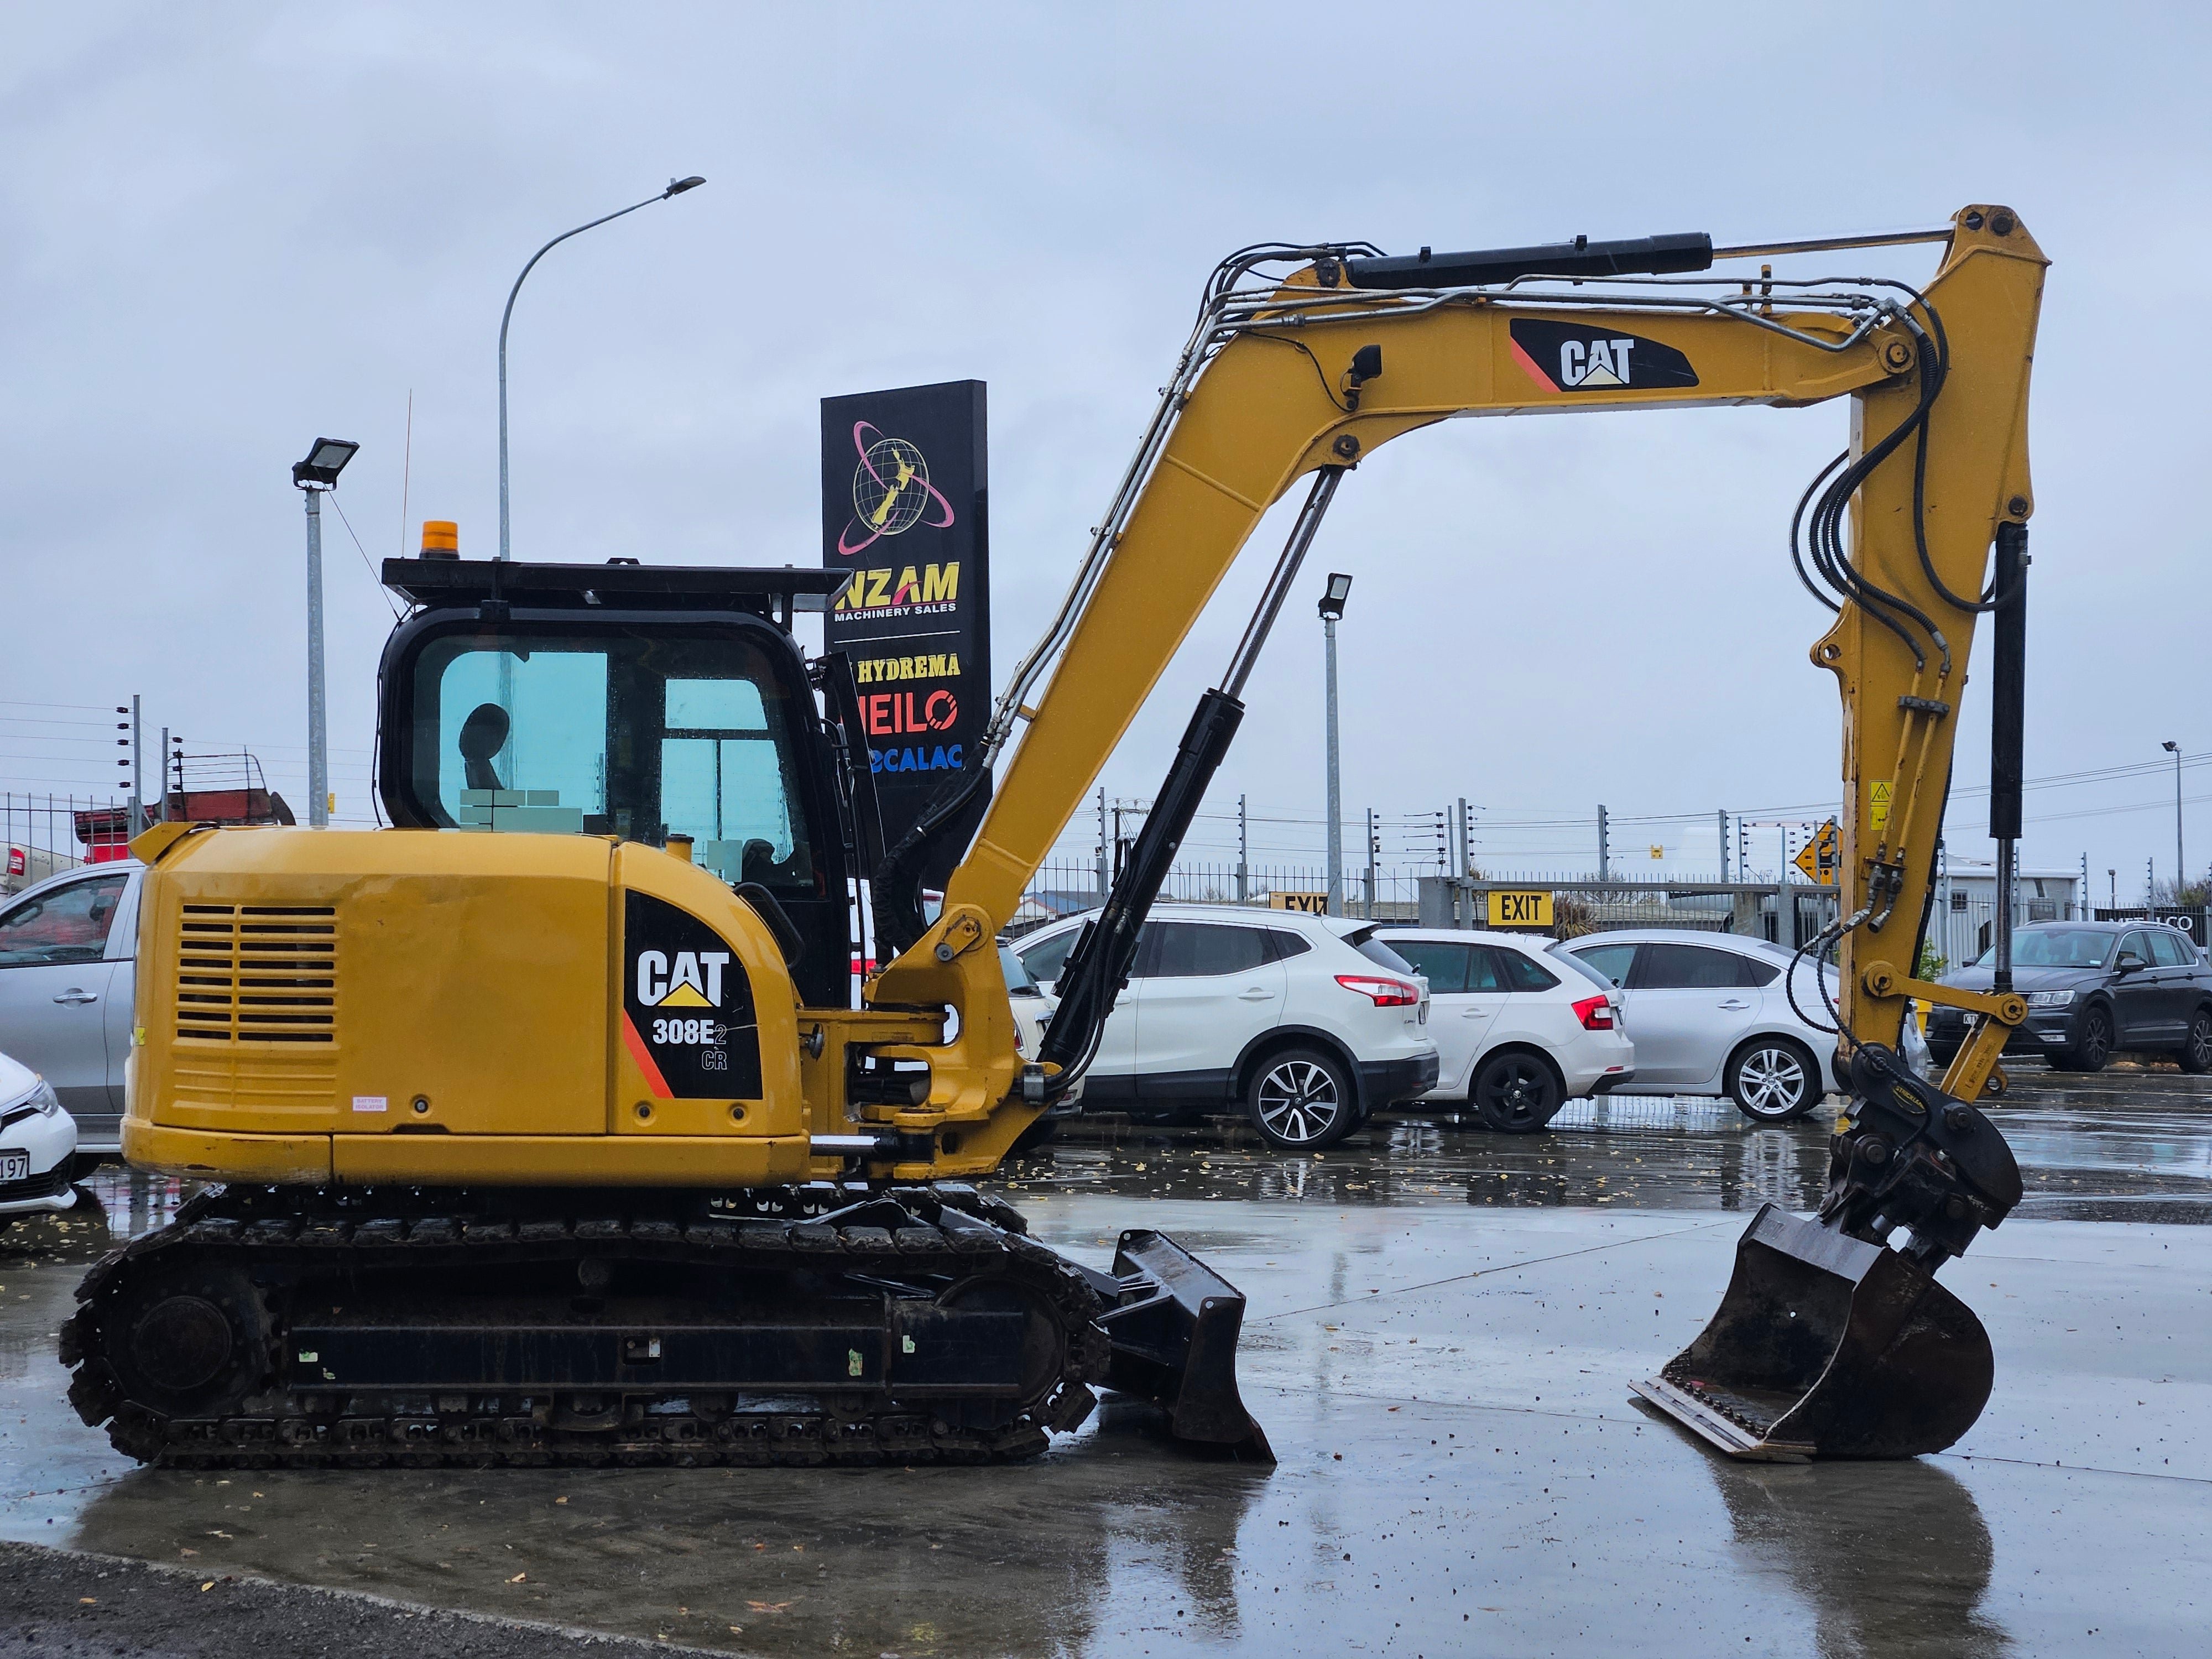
{"points": [[225, 229]]}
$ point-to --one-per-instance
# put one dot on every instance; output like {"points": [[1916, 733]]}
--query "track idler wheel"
{"points": [[184, 1344]]}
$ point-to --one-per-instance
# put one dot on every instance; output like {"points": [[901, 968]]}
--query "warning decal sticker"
{"points": [[688, 1017]]}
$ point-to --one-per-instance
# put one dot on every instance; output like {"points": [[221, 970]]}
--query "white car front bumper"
{"points": [[50, 1141]]}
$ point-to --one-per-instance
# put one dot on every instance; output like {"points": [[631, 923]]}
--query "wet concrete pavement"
{"points": [[1441, 1326]]}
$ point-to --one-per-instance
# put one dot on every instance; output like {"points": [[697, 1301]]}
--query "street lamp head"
{"points": [[677, 187], [325, 460], [1333, 596], [2171, 748]]}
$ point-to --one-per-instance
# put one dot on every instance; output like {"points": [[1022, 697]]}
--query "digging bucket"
{"points": [[1827, 1346]]}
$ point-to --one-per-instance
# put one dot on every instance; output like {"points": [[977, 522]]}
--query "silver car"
{"points": [[67, 979], [1712, 1014]]}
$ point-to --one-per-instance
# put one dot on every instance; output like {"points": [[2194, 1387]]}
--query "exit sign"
{"points": [[1522, 909]]}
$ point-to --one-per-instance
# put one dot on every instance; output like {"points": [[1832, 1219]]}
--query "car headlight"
{"points": [[2049, 998], [44, 1098]]}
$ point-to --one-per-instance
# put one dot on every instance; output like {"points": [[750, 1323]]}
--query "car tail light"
{"points": [[1596, 1013], [1382, 993]]}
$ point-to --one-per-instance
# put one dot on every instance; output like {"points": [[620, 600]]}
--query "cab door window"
{"points": [[725, 782]]}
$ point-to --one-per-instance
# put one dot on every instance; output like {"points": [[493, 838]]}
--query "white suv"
{"points": [[1520, 1034], [1310, 1024]]}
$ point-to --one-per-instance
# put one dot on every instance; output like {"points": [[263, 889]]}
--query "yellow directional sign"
{"points": [[1528, 908], [1822, 856], [1314, 904]]}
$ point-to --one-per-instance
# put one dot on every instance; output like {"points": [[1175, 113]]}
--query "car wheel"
{"points": [[1941, 1054], [1302, 1100], [2094, 1046], [1516, 1094], [1772, 1079], [2196, 1054]]}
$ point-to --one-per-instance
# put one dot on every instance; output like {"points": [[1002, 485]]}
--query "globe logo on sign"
{"points": [[891, 491]]}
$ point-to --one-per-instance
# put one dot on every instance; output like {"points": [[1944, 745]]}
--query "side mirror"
{"points": [[2128, 962]]}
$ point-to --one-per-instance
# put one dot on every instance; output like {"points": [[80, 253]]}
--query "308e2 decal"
{"points": [[687, 1017]]}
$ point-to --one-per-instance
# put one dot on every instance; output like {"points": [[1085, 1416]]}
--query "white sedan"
{"points": [[38, 1144], [1517, 1036]]}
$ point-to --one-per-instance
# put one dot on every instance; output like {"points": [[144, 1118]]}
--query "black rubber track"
{"points": [[268, 1245]]}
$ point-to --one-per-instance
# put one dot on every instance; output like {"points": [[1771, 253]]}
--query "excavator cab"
{"points": [[647, 704]]}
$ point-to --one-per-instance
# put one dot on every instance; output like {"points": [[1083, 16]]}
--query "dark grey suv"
{"points": [[2095, 989]]}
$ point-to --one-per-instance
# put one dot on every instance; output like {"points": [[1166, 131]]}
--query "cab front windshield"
{"points": [[637, 736], [2053, 947]]}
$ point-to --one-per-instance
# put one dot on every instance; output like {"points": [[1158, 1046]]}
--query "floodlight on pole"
{"points": [[676, 187], [2180, 865], [1334, 594], [326, 458]]}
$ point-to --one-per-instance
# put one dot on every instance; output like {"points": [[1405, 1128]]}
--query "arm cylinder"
{"points": [[2008, 719], [1628, 256]]}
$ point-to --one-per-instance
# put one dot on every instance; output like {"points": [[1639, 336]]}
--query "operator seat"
{"points": [[483, 734]]}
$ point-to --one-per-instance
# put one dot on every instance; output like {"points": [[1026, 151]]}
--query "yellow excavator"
{"points": [[545, 1125]]}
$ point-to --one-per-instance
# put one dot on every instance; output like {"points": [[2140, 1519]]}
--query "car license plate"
{"points": [[14, 1166]]}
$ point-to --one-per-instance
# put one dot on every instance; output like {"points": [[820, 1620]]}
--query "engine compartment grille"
{"points": [[257, 973]]}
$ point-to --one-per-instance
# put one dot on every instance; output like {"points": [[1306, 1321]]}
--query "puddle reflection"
{"points": [[2134, 1147], [1894, 1558], [1067, 1558]]}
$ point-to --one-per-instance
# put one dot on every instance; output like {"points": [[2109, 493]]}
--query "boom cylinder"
{"points": [[1103, 957]]}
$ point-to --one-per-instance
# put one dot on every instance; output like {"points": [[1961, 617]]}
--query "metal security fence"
{"points": [[42, 835], [1790, 913]]}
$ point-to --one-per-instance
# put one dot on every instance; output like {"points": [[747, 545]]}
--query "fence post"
{"points": [[1370, 864], [1604, 851], [1244, 855]]}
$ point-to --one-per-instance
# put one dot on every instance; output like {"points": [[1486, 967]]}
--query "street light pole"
{"points": [[676, 187], [317, 473], [1332, 607], [2180, 864], [318, 774]]}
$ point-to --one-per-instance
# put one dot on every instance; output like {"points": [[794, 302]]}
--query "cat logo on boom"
{"points": [[1577, 357]]}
